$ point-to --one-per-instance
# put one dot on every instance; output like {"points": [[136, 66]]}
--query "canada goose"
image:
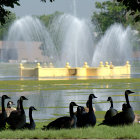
{"points": [[79, 113], [9, 104], [137, 116], [17, 118], [127, 115], [87, 119], [30, 125], [111, 112], [9, 108], [3, 114], [64, 122]]}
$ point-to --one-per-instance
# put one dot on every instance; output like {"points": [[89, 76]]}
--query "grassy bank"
{"points": [[100, 132], [31, 85]]}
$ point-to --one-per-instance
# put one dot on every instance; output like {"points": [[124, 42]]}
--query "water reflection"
{"points": [[52, 103]]}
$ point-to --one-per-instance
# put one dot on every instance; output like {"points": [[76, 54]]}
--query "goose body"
{"points": [[3, 114], [32, 124], [87, 118], [17, 118], [125, 117], [111, 112], [64, 122], [80, 111]]}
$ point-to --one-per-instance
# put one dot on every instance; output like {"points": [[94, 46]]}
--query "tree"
{"points": [[9, 3], [47, 19], [109, 13], [133, 6], [3, 12], [4, 28]]}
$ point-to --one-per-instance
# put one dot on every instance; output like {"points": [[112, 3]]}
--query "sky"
{"points": [[84, 8]]}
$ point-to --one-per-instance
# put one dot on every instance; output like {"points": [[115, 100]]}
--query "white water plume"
{"points": [[75, 39], [29, 29], [115, 46]]}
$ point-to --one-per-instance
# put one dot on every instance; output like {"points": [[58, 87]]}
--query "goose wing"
{"points": [[59, 123], [17, 119]]}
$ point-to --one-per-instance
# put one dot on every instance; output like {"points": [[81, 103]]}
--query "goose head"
{"points": [[109, 99], [129, 92], [92, 96], [9, 104], [32, 108], [5, 97], [73, 104], [80, 109], [23, 98]]}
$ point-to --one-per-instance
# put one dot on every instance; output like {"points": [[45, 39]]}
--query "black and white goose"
{"points": [[17, 118], [9, 108]]}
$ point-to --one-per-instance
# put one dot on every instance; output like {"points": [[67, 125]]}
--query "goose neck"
{"points": [[90, 104], [111, 102], [127, 100], [71, 110], [30, 115], [2, 104], [21, 106]]}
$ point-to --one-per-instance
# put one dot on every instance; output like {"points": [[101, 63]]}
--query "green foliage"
{"points": [[4, 13], [109, 13], [47, 19], [4, 27], [133, 6]]}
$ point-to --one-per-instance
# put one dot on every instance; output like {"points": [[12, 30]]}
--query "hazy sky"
{"points": [[84, 8]]}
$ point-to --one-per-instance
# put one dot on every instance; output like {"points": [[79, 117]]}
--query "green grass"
{"points": [[100, 132], [97, 132], [30, 85]]}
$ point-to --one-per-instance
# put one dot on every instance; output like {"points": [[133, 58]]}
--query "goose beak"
{"points": [[131, 92], [8, 97], [25, 99]]}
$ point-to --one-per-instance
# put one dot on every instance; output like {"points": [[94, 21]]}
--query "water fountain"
{"points": [[68, 39]]}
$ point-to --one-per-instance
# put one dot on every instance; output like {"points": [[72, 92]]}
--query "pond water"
{"points": [[54, 103]]}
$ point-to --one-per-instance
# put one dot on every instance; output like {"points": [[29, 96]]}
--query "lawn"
{"points": [[100, 132]]}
